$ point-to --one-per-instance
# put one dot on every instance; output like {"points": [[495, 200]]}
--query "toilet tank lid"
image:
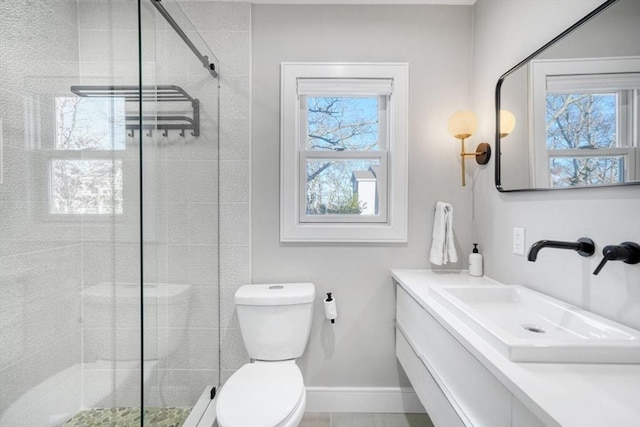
{"points": [[275, 294]]}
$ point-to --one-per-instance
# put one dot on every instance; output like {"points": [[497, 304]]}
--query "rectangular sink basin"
{"points": [[527, 326]]}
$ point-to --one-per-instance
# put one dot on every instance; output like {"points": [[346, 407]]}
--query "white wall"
{"points": [[358, 350], [505, 32]]}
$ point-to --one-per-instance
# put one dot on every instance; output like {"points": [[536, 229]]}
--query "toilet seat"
{"points": [[261, 395]]}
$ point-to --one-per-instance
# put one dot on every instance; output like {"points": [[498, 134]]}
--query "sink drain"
{"points": [[534, 329]]}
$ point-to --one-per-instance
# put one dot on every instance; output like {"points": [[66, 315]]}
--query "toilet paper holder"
{"points": [[330, 309]]}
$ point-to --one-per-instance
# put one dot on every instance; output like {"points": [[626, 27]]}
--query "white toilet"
{"points": [[275, 321]]}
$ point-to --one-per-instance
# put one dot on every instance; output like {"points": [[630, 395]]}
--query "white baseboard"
{"points": [[363, 400]]}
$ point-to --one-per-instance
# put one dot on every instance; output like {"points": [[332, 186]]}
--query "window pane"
{"points": [[90, 123], [86, 187], [582, 120], [342, 123], [585, 171], [342, 187]]}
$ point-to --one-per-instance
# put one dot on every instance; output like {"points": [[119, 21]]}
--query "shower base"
{"points": [[129, 417]]}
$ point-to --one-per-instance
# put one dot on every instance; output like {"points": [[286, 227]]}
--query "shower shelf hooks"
{"points": [[161, 120]]}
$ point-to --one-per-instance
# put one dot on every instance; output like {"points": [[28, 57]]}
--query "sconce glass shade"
{"points": [[462, 124], [507, 123]]}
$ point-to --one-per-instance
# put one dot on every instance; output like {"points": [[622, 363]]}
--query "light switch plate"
{"points": [[518, 241]]}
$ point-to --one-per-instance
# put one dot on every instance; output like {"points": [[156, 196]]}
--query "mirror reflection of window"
{"points": [[90, 123], [580, 127], [84, 177], [81, 187], [585, 122], [582, 75]]}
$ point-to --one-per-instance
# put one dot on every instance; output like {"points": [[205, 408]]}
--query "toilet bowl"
{"points": [[260, 394], [275, 321]]}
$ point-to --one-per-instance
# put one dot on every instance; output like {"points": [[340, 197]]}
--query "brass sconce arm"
{"points": [[482, 155]]}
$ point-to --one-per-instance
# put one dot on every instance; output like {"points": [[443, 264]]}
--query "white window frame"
{"points": [[576, 75], [391, 224], [379, 88]]}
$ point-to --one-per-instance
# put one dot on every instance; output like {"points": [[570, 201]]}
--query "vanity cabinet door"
{"points": [[429, 392], [482, 399]]}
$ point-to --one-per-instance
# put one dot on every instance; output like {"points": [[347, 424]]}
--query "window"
{"points": [[590, 117], [84, 176], [344, 152]]}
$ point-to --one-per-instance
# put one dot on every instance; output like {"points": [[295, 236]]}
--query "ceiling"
{"points": [[352, 2]]}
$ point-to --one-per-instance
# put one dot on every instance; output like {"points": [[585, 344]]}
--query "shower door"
{"points": [[179, 210], [108, 214]]}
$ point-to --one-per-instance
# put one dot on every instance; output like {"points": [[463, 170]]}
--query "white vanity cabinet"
{"points": [[454, 387], [463, 380]]}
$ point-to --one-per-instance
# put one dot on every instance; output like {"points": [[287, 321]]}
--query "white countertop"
{"points": [[559, 394]]}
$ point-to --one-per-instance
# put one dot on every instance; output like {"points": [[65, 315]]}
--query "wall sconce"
{"points": [[507, 123], [462, 125]]}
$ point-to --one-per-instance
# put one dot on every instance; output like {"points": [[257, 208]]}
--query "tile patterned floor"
{"points": [[174, 417], [336, 419], [129, 417]]}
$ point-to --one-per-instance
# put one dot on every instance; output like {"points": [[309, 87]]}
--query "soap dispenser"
{"points": [[475, 262]]}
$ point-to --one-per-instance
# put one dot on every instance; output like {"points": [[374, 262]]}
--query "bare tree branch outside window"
{"points": [[338, 124]]}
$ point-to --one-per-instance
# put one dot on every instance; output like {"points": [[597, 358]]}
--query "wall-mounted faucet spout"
{"points": [[584, 246]]}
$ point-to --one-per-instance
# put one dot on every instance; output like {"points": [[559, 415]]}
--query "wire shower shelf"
{"points": [[163, 121]]}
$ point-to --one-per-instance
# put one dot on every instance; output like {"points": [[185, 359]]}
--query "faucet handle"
{"points": [[628, 252], [601, 265]]}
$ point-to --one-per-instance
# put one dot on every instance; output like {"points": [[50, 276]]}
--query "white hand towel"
{"points": [[443, 249]]}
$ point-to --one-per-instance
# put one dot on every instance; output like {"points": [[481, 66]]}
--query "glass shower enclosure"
{"points": [[109, 279]]}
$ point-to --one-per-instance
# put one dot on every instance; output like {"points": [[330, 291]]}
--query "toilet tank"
{"points": [[275, 319]]}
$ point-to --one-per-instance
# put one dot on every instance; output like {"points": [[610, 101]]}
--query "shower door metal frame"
{"points": [[204, 59]]}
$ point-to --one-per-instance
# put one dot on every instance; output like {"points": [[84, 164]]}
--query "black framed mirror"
{"points": [[576, 103]]}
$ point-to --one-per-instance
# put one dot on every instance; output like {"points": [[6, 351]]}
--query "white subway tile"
{"points": [[235, 223], [235, 180]]}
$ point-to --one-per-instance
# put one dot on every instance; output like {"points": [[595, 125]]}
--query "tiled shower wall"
{"points": [[226, 28], [40, 272]]}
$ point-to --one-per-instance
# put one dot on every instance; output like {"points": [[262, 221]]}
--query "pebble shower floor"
{"points": [[129, 417]]}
